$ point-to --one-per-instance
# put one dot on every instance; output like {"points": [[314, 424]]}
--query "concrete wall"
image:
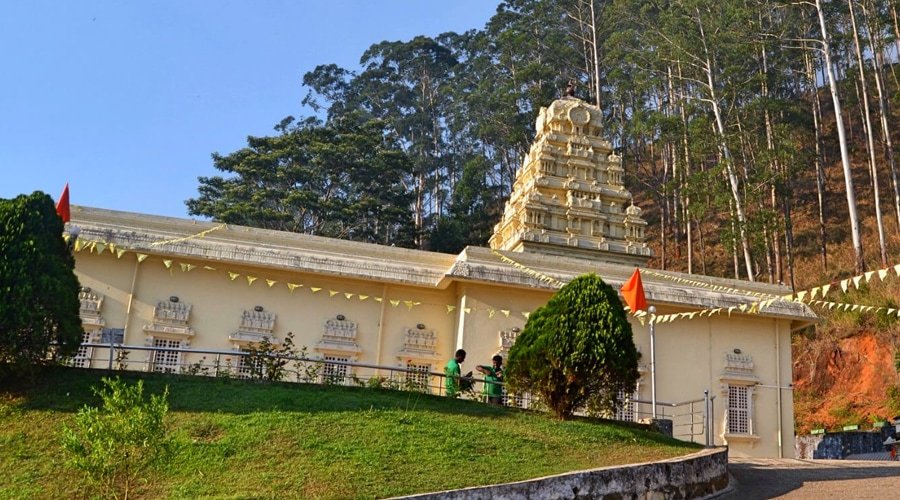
{"points": [[696, 476], [838, 445]]}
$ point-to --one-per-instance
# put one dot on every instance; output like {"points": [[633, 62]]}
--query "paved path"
{"points": [[758, 478]]}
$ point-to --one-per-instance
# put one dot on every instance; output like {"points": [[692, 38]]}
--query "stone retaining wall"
{"points": [[837, 445], [697, 475]]}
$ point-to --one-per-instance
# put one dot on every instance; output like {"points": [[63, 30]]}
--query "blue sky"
{"points": [[127, 100]]}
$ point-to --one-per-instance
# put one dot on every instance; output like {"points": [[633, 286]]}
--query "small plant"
{"points": [[195, 369], [122, 359], [267, 361], [306, 370], [115, 444]]}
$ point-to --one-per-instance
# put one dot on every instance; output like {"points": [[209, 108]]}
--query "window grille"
{"points": [[625, 411], [247, 365], [419, 378], [333, 373], [738, 409], [166, 361], [82, 358]]}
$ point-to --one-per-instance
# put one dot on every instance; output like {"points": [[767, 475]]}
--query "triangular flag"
{"points": [[868, 275], [183, 266], [190, 267], [120, 252], [292, 287], [526, 314], [882, 274], [363, 297], [62, 206], [468, 310], [801, 296], [78, 245], [633, 292], [250, 280], [168, 263], [844, 285], [856, 280], [141, 257], [409, 304], [825, 289], [395, 303], [897, 269], [100, 247], [332, 293], [743, 307], [379, 299], [314, 289], [209, 268], [491, 313], [348, 295], [450, 309], [233, 275], [505, 312], [271, 283]]}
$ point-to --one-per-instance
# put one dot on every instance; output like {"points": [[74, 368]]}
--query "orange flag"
{"points": [[633, 292], [62, 206]]}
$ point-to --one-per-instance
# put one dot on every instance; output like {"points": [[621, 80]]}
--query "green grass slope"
{"points": [[239, 439]]}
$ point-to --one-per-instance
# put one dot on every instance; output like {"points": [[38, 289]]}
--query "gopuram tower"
{"points": [[568, 198]]}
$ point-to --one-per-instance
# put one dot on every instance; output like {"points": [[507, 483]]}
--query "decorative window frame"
{"points": [[507, 338], [739, 372], [255, 327], [84, 355], [91, 304], [159, 361], [419, 347], [339, 341], [170, 321]]}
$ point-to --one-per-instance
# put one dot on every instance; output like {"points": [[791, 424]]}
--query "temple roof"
{"points": [[293, 252]]}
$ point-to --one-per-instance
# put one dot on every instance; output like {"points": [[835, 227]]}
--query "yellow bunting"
{"points": [[233, 276], [168, 263], [209, 268], [468, 310], [395, 303], [178, 240], [78, 245], [314, 289], [93, 245], [409, 304], [505, 312], [293, 286], [882, 274], [270, 282], [450, 308], [379, 299], [526, 314], [251, 279], [363, 297], [141, 257], [332, 293], [100, 247], [119, 252], [801, 296], [491, 313], [183, 266], [348, 295], [825, 289]]}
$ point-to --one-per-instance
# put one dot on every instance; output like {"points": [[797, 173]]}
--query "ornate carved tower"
{"points": [[568, 197]]}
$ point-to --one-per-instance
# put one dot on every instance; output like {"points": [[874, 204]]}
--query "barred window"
{"points": [[82, 358], [419, 378], [333, 373], [247, 364], [625, 411], [738, 409], [166, 361]]}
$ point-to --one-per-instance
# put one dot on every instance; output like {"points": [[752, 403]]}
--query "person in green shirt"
{"points": [[492, 392], [452, 378]]}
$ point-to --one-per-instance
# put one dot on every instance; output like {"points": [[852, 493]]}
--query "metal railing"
{"points": [[690, 419]]}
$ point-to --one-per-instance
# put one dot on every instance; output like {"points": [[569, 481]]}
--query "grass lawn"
{"points": [[240, 439]]}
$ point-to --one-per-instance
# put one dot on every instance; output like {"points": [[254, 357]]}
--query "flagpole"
{"points": [[652, 311]]}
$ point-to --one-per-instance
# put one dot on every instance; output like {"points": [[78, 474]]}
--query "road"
{"points": [[758, 478]]}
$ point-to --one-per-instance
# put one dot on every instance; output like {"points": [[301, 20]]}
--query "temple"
{"points": [[172, 283]]}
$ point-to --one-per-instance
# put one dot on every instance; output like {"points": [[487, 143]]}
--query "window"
{"points": [[333, 373], [112, 335], [419, 378], [82, 358], [739, 410], [625, 412], [166, 361], [248, 365]]}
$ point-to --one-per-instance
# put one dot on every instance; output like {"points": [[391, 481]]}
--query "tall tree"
{"points": [[38, 288]]}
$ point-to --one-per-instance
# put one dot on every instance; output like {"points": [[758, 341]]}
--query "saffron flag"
{"points": [[62, 206], [633, 292]]}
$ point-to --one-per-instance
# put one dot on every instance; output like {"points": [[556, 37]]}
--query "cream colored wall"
{"points": [[690, 354]]}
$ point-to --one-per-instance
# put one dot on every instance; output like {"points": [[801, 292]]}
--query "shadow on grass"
{"points": [[65, 389]]}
